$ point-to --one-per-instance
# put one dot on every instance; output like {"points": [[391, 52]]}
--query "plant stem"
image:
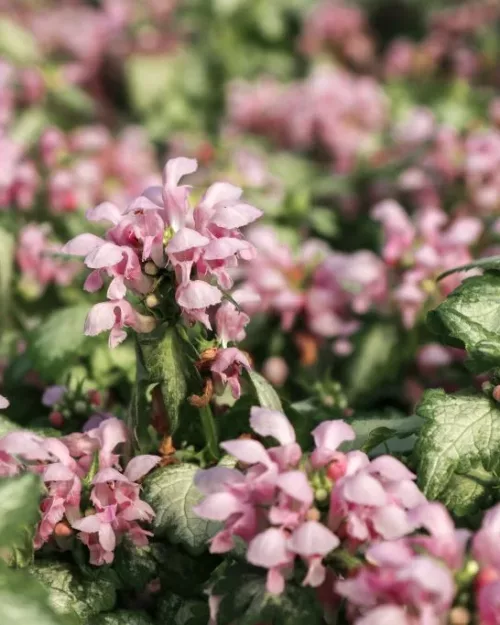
{"points": [[210, 432]]}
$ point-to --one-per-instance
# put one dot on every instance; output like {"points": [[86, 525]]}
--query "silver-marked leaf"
{"points": [[71, 594], [460, 439], [172, 494], [267, 396]]}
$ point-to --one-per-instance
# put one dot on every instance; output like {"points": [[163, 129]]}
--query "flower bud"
{"points": [[496, 393], [459, 616], [152, 301], [56, 419], [313, 514], [321, 494], [63, 530], [80, 407], [145, 323], [337, 468], [150, 269], [275, 370], [94, 398]]}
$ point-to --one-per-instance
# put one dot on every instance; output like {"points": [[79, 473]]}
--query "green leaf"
{"points": [[29, 126], [375, 362], [135, 566], [164, 362], [373, 430], [6, 267], [17, 43], [181, 573], [460, 440], [59, 339], [24, 601], [470, 317], [172, 494], [70, 594], [492, 263], [266, 395], [175, 610], [246, 601], [19, 501], [6, 426], [122, 617]]}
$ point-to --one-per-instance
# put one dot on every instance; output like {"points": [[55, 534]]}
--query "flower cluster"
{"points": [[276, 504], [325, 289], [37, 259], [420, 249], [331, 111], [159, 241], [86, 489], [410, 580]]}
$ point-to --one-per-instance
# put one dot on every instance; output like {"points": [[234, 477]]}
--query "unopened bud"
{"points": [[63, 530], [80, 407], [152, 301], [459, 616], [56, 419], [145, 323], [150, 269], [275, 370], [94, 398], [321, 494], [313, 514], [337, 467], [496, 393]]}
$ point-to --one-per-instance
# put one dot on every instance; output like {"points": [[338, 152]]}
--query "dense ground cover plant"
{"points": [[249, 303]]}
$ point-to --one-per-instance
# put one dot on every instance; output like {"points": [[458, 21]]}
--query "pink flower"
{"points": [[4, 402], [267, 505], [373, 499], [226, 369], [38, 266], [230, 323], [114, 316]]}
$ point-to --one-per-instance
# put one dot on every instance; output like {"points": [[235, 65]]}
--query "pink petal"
{"points": [[101, 317], [218, 507], [4, 402], [117, 289], [107, 537], [266, 422], [106, 211], [385, 615], [236, 216], [365, 490], [82, 244], [106, 255], [394, 554], [93, 282], [330, 434], [151, 199], [139, 466], [57, 472], [248, 451], [434, 518], [268, 549], [198, 294], [275, 583], [88, 524], [213, 480], [186, 239], [224, 247], [221, 192], [109, 475], [176, 168], [390, 468], [391, 522], [295, 484], [311, 539]]}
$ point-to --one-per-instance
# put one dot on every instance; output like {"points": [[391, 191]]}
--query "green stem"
{"points": [[210, 432]]}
